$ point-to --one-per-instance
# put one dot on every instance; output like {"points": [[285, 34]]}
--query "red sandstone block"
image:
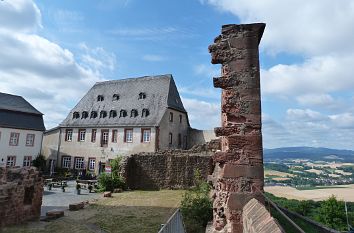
{"points": [[240, 129], [244, 42], [245, 171], [107, 194], [230, 119], [249, 142], [76, 206], [237, 201], [55, 214]]}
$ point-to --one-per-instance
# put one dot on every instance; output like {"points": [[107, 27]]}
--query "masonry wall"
{"points": [[21, 191], [168, 169], [197, 137]]}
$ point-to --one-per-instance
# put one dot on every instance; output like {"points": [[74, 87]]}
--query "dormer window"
{"points": [[76, 115], [123, 113], [145, 112], [103, 114], [84, 115], [112, 114], [93, 114], [134, 113], [142, 95], [100, 98], [115, 97]]}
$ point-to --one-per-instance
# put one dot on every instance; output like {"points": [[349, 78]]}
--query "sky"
{"points": [[53, 52]]}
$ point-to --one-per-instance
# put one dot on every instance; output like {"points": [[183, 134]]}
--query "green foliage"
{"points": [[40, 163], [277, 167], [108, 182], [196, 206], [332, 213]]}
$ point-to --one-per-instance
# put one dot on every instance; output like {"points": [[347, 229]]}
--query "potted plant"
{"points": [[50, 185], [90, 188], [78, 189]]}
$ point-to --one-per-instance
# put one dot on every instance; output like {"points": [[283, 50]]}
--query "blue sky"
{"points": [[54, 51]]}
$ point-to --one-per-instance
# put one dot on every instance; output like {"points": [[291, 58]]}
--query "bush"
{"points": [[196, 206], [40, 163], [107, 182]]}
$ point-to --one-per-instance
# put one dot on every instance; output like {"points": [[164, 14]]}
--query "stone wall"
{"points": [[239, 165], [21, 191], [196, 136], [168, 169], [257, 219]]}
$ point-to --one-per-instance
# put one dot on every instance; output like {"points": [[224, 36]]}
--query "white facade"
{"points": [[21, 149]]}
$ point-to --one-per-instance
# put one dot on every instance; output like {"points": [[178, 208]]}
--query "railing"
{"points": [[174, 224]]}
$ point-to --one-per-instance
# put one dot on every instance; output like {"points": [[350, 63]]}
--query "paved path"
{"points": [[56, 199]]}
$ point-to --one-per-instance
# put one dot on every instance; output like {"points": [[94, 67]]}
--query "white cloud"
{"points": [[202, 115], [153, 58], [209, 71], [304, 115], [19, 15], [211, 93], [41, 71], [314, 27]]}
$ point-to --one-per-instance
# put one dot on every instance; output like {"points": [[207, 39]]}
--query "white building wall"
{"points": [[175, 127], [21, 149], [88, 149]]}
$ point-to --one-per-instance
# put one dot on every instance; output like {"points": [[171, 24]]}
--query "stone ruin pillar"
{"points": [[240, 162]]}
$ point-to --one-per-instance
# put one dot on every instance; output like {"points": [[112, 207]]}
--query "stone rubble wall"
{"points": [[170, 169], [239, 165], [257, 219], [21, 191]]}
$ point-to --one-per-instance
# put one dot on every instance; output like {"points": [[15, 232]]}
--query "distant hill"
{"points": [[313, 153]]}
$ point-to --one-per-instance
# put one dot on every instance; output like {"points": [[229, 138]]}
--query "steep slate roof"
{"points": [[161, 93], [16, 112]]}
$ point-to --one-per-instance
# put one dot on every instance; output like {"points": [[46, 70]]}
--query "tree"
{"points": [[40, 162], [332, 214]]}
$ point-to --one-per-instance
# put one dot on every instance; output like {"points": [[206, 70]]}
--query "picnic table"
{"points": [[86, 183]]}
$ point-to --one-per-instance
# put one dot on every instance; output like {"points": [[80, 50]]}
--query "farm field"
{"points": [[342, 192]]}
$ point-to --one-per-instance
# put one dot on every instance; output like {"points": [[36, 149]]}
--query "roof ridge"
{"points": [[147, 77]]}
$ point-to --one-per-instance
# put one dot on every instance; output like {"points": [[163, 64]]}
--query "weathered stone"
{"points": [[240, 162], [21, 191], [107, 194], [76, 206], [53, 214]]}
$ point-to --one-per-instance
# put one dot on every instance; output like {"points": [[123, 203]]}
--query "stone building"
{"points": [[21, 131], [119, 117]]}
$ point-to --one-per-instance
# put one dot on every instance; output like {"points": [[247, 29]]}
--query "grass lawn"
{"points": [[128, 212]]}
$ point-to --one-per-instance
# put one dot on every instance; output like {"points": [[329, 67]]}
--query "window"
{"points": [[112, 114], [14, 137], [180, 118], [115, 97], [93, 114], [84, 115], [145, 112], [93, 135], [104, 137], [103, 114], [114, 135], [123, 113], [66, 162], [79, 163], [179, 140], [171, 117], [11, 161], [170, 138], [27, 161], [128, 135], [142, 95], [145, 135], [76, 115], [69, 135], [92, 163], [82, 134], [30, 140], [134, 113], [100, 98]]}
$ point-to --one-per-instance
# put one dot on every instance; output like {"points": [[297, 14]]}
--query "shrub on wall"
{"points": [[40, 163], [196, 206]]}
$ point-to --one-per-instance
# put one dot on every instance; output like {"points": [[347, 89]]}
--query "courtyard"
{"points": [[125, 212]]}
